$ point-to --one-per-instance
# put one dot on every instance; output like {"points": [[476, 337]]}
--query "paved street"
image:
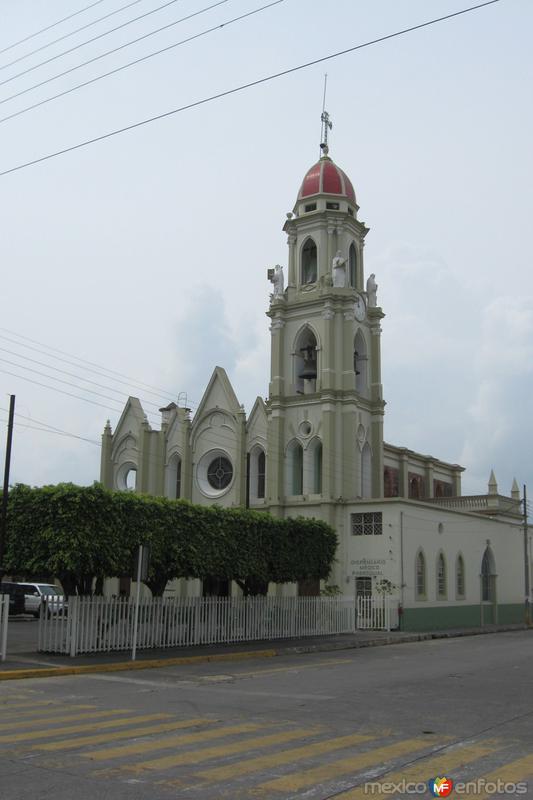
{"points": [[313, 726]]}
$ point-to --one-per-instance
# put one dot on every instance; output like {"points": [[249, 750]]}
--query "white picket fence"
{"points": [[103, 624], [377, 612], [4, 618]]}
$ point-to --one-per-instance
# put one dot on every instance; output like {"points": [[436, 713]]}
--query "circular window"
{"points": [[305, 428], [126, 479], [219, 473], [215, 473], [131, 480]]}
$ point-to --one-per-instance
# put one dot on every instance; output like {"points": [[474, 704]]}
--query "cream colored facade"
{"points": [[315, 447]]}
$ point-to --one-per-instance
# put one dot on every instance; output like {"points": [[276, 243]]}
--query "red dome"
{"points": [[325, 177]]}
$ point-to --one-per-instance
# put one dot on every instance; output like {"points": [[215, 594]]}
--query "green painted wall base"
{"points": [[440, 618]]}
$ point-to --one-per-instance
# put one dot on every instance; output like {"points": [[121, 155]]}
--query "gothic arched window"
{"points": [[366, 471], [420, 576], [261, 474], [360, 363], [441, 577], [488, 577], [295, 468], [352, 261], [309, 262], [459, 578], [256, 474], [314, 467]]}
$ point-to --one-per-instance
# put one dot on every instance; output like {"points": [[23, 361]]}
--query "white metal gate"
{"points": [[377, 612]]}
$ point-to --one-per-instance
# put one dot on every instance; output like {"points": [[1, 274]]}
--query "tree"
{"points": [[79, 534]]}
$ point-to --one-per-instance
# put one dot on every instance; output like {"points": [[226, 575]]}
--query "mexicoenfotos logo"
{"points": [[440, 787]]}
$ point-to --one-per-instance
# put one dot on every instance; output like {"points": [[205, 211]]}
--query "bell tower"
{"points": [[325, 404]]}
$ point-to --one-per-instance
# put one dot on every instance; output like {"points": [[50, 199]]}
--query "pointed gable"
{"points": [[129, 424], [218, 395], [256, 427]]}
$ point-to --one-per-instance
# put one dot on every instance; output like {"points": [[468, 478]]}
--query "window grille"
{"points": [[367, 524]]}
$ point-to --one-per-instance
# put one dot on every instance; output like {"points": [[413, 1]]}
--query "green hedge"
{"points": [[80, 533]]}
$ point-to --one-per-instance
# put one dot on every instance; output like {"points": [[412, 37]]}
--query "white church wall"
{"points": [[215, 438], [434, 531]]}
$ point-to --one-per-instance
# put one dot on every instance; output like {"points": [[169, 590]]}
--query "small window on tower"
{"points": [[309, 262], [350, 211], [333, 206], [352, 255], [310, 207]]}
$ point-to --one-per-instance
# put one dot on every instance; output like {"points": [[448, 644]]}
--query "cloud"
{"points": [[499, 414], [206, 336]]}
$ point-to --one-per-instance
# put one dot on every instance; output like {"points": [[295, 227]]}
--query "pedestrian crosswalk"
{"points": [[255, 759]]}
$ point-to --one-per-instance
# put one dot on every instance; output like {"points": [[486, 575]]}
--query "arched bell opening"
{"points": [[305, 362]]}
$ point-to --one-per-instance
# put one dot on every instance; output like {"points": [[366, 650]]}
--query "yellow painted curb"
{"points": [[83, 669]]}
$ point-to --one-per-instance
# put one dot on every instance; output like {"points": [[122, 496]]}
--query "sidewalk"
{"points": [[33, 665]]}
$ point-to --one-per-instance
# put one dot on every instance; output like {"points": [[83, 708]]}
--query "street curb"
{"points": [[242, 655], [121, 666]]}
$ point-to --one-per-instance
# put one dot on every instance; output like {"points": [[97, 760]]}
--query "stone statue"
{"points": [[338, 266], [372, 290], [275, 276]]}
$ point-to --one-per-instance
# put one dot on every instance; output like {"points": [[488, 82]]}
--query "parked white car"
{"points": [[36, 593]]}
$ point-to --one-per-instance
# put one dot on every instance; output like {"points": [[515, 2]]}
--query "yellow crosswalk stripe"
{"points": [[344, 765], [29, 704], [173, 741], [115, 736], [43, 713], [28, 723], [295, 667], [196, 756], [285, 757], [7, 699], [92, 726], [513, 772], [443, 764]]}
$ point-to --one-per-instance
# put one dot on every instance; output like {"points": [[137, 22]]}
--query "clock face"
{"points": [[359, 308]]}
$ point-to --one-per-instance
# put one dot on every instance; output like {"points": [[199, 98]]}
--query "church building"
{"points": [[315, 448]]}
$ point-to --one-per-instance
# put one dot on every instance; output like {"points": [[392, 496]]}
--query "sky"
{"points": [[139, 262]]}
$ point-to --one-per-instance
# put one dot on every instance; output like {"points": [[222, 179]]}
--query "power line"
{"points": [[45, 428], [131, 63], [62, 391], [163, 394], [49, 27], [83, 44], [67, 35], [241, 88], [59, 380], [63, 372]]}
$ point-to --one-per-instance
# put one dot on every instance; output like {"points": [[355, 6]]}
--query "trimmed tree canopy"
{"points": [[78, 533]]}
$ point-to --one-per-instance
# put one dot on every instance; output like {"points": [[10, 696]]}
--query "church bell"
{"points": [[308, 371]]}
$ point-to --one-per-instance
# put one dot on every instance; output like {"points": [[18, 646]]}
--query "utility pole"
{"points": [[3, 518], [527, 609]]}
